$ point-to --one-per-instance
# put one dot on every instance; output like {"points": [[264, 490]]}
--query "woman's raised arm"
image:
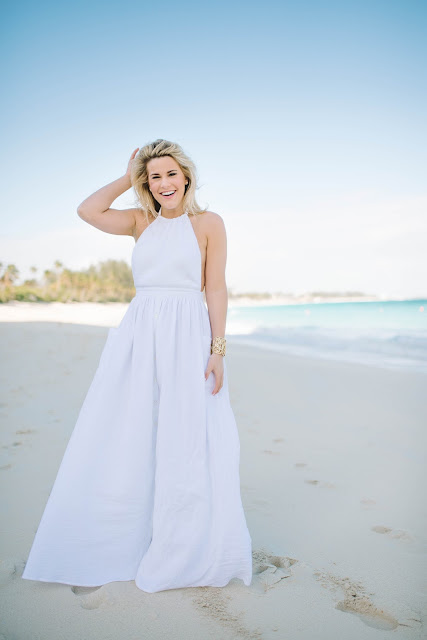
{"points": [[95, 209]]}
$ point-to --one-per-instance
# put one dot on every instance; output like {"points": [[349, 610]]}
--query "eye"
{"points": [[155, 177]]}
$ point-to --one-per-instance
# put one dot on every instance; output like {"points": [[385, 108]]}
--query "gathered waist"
{"points": [[169, 291]]}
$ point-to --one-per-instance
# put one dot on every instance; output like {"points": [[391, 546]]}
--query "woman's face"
{"points": [[165, 177]]}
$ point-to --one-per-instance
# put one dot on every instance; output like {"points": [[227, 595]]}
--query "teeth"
{"points": [[168, 193]]}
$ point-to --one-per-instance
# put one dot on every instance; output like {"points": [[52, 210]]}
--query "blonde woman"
{"points": [[148, 488]]}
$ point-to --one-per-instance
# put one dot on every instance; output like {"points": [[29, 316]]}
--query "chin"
{"points": [[168, 204]]}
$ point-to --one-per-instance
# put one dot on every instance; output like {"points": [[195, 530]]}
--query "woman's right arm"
{"points": [[96, 210]]}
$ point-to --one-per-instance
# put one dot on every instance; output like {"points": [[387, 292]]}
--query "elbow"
{"points": [[216, 290]]}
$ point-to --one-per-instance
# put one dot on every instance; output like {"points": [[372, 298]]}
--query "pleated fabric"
{"points": [[148, 488]]}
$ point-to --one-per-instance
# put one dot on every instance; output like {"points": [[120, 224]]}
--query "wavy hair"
{"points": [[139, 176]]}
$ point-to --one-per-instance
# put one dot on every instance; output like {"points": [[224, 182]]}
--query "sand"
{"points": [[333, 477]]}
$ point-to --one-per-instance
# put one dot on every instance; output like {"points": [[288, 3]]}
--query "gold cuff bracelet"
{"points": [[218, 346]]}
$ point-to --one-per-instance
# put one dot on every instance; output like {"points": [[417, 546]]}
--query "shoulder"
{"points": [[212, 221], [142, 220], [214, 231]]}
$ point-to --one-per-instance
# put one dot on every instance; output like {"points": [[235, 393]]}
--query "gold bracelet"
{"points": [[218, 346]]}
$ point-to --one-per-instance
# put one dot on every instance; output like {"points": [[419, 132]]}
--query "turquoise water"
{"points": [[389, 333], [411, 314]]}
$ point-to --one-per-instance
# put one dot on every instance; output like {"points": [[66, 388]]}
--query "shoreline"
{"points": [[242, 301]]}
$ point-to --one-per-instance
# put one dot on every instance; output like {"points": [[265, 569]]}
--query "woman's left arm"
{"points": [[216, 291]]}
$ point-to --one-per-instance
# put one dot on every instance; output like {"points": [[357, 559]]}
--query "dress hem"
{"points": [[245, 581]]}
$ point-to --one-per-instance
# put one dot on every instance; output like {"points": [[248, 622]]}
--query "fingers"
{"points": [[218, 382], [219, 376]]}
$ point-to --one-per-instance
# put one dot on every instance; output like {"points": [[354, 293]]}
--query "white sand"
{"points": [[333, 460]]}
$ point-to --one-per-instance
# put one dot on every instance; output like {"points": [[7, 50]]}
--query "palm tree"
{"points": [[10, 274]]}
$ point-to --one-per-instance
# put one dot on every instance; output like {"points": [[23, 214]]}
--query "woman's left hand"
{"points": [[216, 364]]}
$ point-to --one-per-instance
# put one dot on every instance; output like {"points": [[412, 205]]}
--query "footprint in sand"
{"points": [[398, 534], [260, 503], [10, 568], [260, 506], [300, 464], [278, 440], [325, 485], [26, 431], [78, 591], [216, 603], [367, 503], [269, 569], [357, 601], [12, 444], [254, 504], [17, 389], [271, 453], [4, 464], [90, 597]]}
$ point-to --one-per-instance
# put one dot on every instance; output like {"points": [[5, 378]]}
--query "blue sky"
{"points": [[306, 121]]}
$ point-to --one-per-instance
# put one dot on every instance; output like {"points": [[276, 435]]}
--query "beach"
{"points": [[333, 477]]}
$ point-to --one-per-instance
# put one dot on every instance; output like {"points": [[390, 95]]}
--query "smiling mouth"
{"points": [[168, 194]]}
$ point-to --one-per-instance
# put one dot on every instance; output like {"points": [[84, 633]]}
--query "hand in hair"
{"points": [[128, 171]]}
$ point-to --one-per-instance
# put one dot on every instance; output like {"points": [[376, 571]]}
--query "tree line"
{"points": [[108, 281]]}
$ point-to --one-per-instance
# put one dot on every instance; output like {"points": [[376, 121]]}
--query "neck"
{"points": [[176, 212]]}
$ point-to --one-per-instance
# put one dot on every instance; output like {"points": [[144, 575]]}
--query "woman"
{"points": [[148, 488]]}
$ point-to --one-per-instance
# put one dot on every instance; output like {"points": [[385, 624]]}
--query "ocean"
{"points": [[390, 334]]}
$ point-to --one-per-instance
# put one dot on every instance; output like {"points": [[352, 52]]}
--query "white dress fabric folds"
{"points": [[148, 488]]}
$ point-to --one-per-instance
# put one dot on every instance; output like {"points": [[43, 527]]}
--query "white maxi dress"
{"points": [[148, 488]]}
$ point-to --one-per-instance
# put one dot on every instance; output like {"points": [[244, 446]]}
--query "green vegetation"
{"points": [[109, 281]]}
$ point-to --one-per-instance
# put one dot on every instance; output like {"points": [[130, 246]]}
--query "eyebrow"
{"points": [[156, 173]]}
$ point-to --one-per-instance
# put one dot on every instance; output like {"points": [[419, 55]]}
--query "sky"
{"points": [[306, 122]]}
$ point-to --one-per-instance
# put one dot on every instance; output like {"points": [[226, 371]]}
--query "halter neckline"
{"points": [[159, 215]]}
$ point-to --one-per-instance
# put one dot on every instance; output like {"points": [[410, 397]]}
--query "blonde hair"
{"points": [[139, 176]]}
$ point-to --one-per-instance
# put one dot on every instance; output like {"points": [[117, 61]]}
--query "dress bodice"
{"points": [[167, 254]]}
